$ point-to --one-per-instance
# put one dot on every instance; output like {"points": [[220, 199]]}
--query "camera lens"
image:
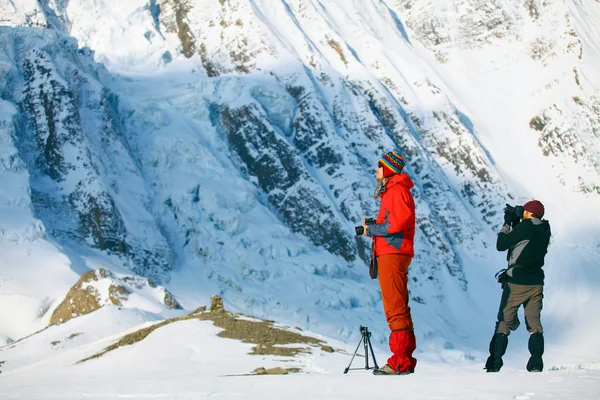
{"points": [[359, 230]]}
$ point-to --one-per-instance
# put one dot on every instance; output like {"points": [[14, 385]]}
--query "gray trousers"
{"points": [[513, 296]]}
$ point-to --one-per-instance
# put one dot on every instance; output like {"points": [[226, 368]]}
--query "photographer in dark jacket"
{"points": [[522, 282]]}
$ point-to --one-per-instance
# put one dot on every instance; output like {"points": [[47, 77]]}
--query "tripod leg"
{"points": [[372, 352], [352, 359], [365, 339]]}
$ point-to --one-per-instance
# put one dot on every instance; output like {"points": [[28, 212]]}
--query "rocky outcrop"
{"points": [[173, 14], [572, 147], [97, 288], [216, 303], [83, 298], [228, 18]]}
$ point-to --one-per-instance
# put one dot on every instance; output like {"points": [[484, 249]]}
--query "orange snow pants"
{"points": [[393, 281]]}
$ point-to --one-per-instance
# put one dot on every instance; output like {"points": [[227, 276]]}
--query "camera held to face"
{"points": [[360, 230], [513, 215]]}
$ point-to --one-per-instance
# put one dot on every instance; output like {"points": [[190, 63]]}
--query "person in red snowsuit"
{"points": [[393, 237]]}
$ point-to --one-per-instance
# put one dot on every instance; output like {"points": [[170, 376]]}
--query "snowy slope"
{"points": [[187, 360], [231, 145]]}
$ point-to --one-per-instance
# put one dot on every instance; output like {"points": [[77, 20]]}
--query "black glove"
{"points": [[508, 218]]}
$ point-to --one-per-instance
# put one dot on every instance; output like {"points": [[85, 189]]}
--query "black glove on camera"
{"points": [[513, 215], [508, 217]]}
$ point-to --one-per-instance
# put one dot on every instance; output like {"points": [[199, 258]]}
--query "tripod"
{"points": [[366, 341]]}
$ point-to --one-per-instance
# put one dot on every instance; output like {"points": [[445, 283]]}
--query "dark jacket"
{"points": [[527, 244]]}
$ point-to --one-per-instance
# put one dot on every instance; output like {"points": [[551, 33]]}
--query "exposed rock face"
{"points": [[281, 174], [78, 164], [573, 147], [29, 14], [82, 298], [174, 16], [229, 20], [97, 288]]}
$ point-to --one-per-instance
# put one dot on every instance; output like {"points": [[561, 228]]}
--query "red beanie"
{"points": [[535, 207]]}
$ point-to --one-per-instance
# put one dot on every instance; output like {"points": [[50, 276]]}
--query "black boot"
{"points": [[497, 349], [536, 348]]}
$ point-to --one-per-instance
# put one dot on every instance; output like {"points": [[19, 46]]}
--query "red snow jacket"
{"points": [[394, 231]]}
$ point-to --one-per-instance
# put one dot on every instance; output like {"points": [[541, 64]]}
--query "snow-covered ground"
{"points": [[186, 360]]}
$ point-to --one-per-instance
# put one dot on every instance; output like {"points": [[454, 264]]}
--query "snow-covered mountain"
{"points": [[228, 147]]}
